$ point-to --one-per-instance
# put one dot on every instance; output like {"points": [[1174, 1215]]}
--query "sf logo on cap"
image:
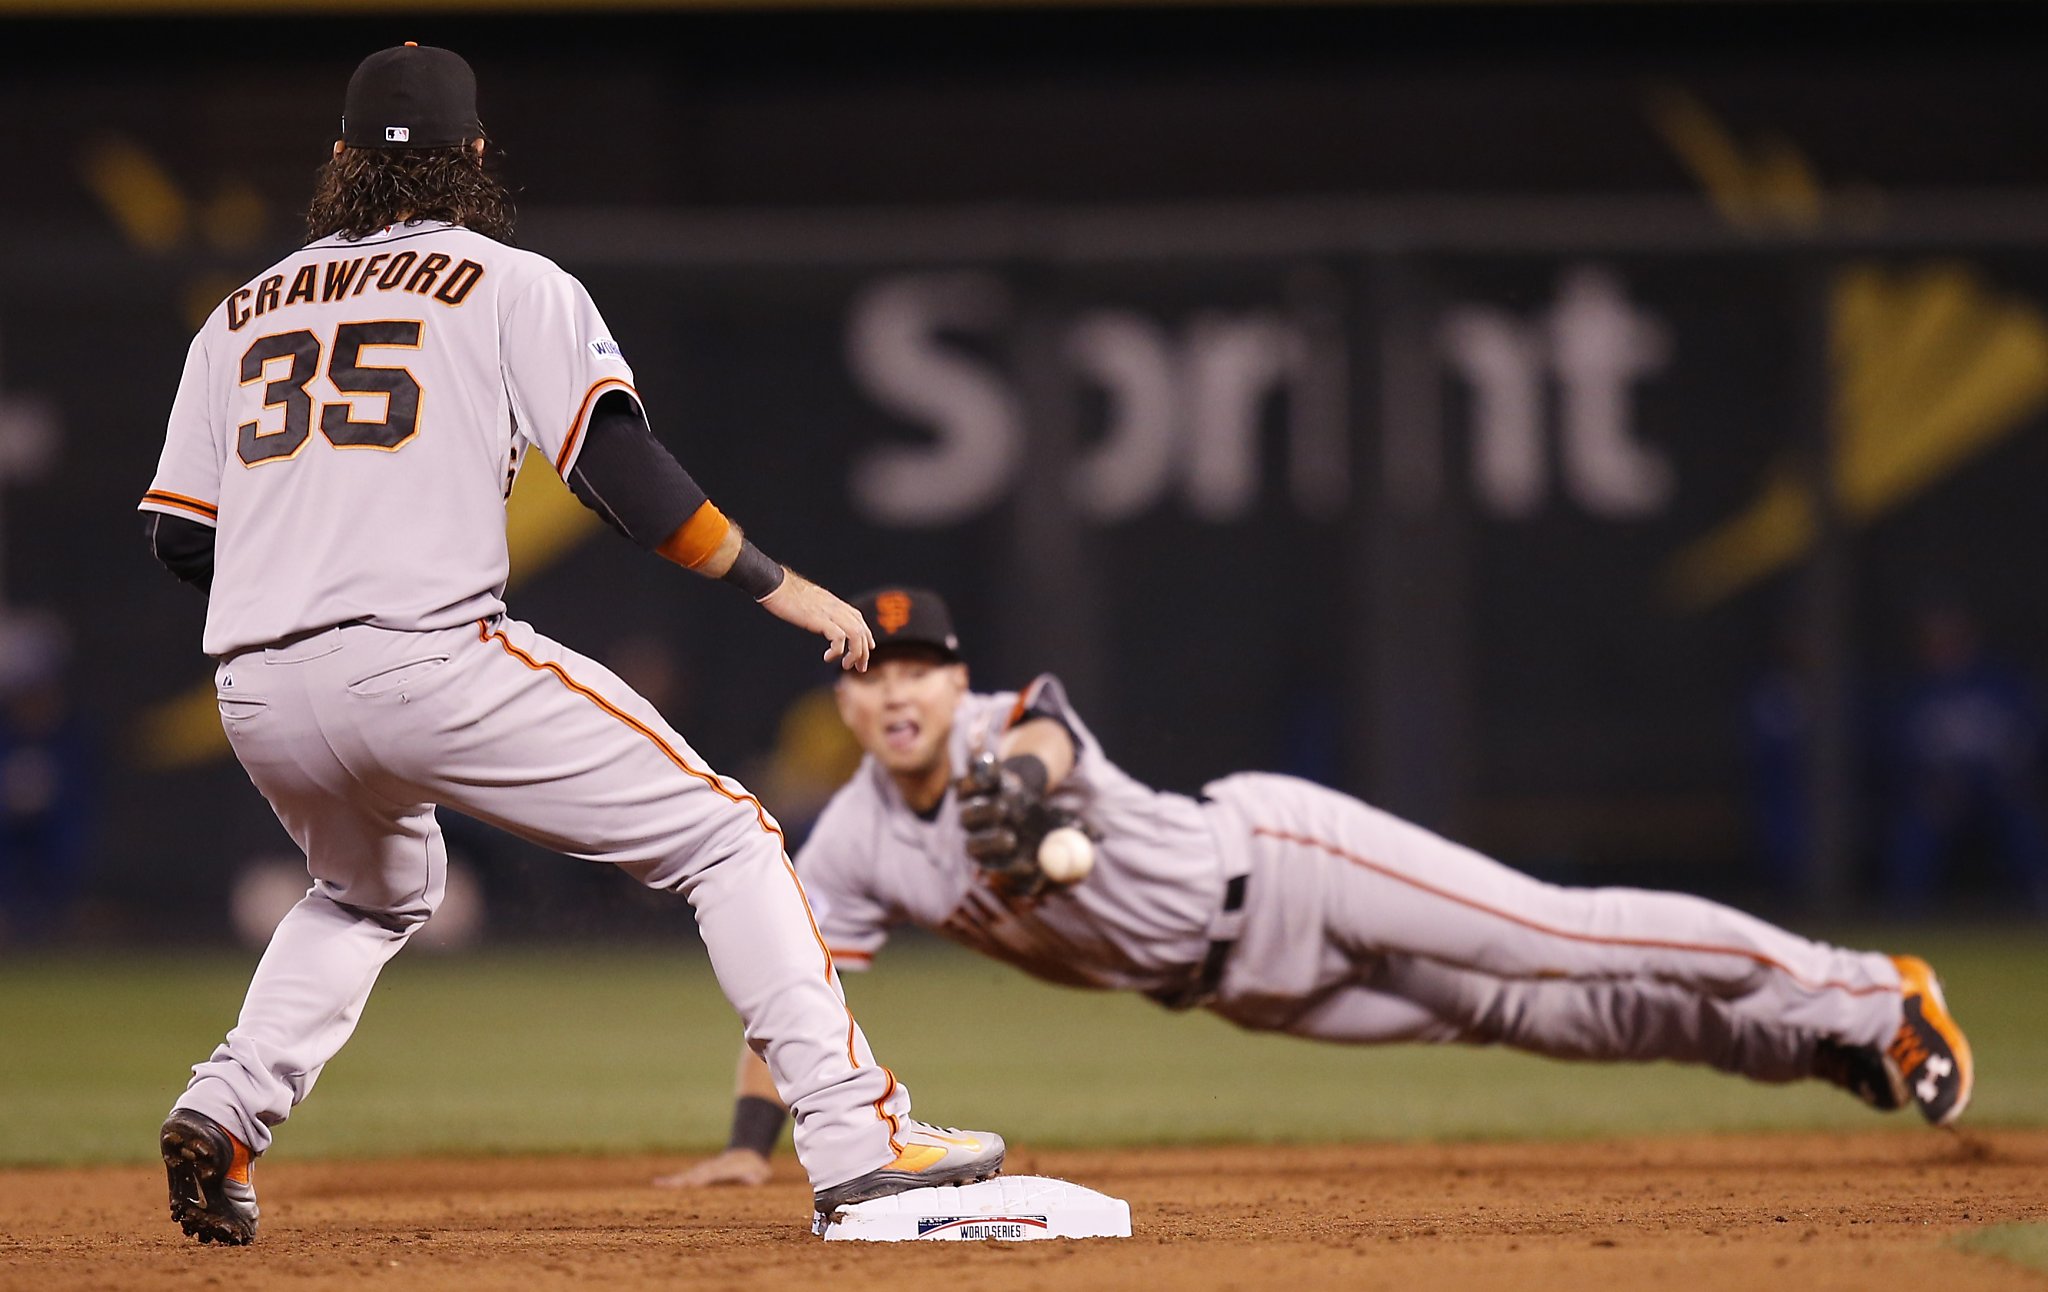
{"points": [[892, 611]]}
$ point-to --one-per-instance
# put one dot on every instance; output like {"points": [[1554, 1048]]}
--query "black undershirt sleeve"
{"points": [[184, 546], [624, 475]]}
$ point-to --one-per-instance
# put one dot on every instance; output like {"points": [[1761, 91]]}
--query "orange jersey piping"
{"points": [[1025, 698], [568, 452], [165, 498]]}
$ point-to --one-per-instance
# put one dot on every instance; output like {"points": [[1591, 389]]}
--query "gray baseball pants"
{"points": [[356, 733], [1362, 927]]}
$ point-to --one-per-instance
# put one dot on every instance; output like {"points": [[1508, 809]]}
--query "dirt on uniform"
{"points": [[1811, 1212]]}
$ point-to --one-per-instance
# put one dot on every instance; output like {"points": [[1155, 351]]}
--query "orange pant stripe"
{"points": [[768, 826], [1512, 918]]}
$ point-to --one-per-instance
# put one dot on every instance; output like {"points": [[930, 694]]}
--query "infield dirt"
{"points": [[1810, 1212]]}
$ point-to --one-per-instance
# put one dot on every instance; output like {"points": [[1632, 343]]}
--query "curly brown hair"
{"points": [[364, 189]]}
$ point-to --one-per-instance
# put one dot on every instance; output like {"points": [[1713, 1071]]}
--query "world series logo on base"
{"points": [[1009, 1208]]}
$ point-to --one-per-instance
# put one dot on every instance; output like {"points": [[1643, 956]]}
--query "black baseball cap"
{"points": [[903, 616], [411, 96]]}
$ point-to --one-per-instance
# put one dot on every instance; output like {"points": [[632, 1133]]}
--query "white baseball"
{"points": [[1066, 855]]}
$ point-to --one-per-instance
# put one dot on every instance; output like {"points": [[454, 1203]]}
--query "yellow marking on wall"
{"points": [[1767, 184], [1931, 369], [203, 296], [543, 520], [142, 198], [543, 523], [235, 217], [179, 732]]}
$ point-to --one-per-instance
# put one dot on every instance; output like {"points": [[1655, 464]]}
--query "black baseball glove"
{"points": [[1003, 810]]}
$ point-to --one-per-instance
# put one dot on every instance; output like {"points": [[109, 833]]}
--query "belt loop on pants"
{"points": [[290, 640]]}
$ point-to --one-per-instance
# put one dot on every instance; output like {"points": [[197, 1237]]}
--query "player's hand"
{"points": [[1005, 818], [803, 603], [742, 1167], [995, 806]]}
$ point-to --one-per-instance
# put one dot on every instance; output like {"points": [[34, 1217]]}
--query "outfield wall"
{"points": [[1468, 414]]}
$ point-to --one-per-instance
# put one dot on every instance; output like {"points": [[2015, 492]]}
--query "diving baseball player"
{"points": [[334, 475], [1287, 907]]}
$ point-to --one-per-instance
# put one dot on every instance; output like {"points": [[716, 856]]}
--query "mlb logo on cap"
{"points": [[411, 96]]}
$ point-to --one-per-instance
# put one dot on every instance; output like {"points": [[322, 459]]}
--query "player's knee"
{"points": [[738, 851], [402, 920], [394, 913]]}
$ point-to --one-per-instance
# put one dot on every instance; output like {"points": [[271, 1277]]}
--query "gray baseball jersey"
{"points": [[350, 421], [358, 412], [1141, 918], [1354, 925]]}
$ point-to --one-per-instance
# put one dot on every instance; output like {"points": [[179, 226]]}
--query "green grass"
{"points": [[2022, 1244], [632, 1050]]}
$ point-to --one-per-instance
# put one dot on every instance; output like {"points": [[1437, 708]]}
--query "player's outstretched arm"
{"points": [[1002, 796], [733, 1168], [1047, 740], [758, 1115], [803, 603], [1004, 807], [638, 488]]}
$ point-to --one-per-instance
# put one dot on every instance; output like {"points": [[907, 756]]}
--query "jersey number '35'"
{"points": [[348, 374]]}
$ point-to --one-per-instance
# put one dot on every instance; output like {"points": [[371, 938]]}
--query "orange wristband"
{"points": [[696, 538]]}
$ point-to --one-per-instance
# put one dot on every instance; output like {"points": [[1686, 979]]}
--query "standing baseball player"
{"points": [[1287, 907], [334, 475]]}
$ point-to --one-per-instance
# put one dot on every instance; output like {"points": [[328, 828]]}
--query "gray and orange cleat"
{"points": [[930, 1156], [211, 1196], [1929, 1050]]}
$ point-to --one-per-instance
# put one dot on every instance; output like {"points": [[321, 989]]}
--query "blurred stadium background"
{"points": [[1611, 434]]}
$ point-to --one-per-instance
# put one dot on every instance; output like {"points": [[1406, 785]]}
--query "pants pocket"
{"points": [[239, 708], [384, 681]]}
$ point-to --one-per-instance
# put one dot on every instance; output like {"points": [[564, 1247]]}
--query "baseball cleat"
{"points": [[930, 1156], [1930, 1051], [211, 1197], [1864, 1071]]}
